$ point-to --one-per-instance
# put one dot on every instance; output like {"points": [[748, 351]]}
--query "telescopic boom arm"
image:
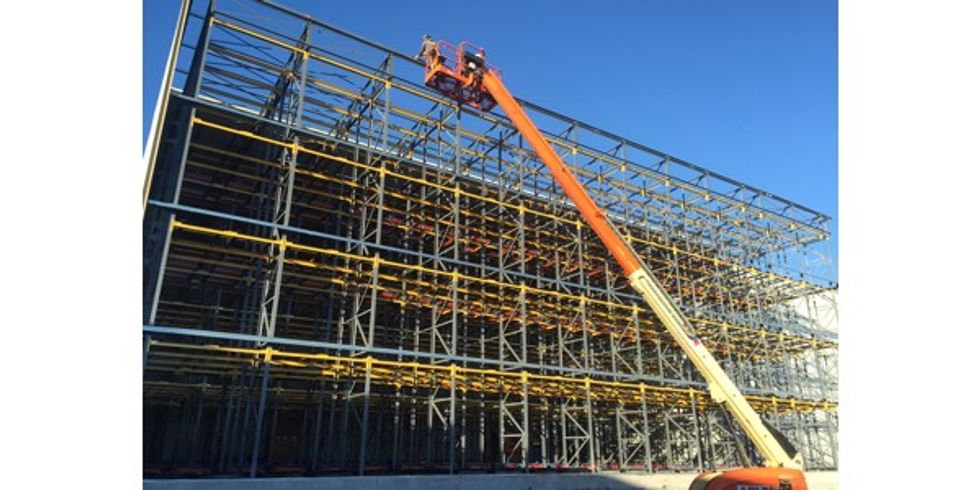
{"points": [[722, 389], [474, 83]]}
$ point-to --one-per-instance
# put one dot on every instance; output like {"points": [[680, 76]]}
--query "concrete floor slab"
{"points": [[816, 480]]}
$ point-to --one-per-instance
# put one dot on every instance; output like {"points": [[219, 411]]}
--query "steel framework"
{"points": [[346, 273]]}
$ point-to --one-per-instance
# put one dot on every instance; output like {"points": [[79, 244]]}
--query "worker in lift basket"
{"points": [[475, 66], [429, 47]]}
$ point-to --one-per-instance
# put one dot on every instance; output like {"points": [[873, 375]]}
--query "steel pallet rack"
{"points": [[346, 273]]}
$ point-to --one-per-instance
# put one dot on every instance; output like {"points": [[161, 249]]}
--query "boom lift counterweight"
{"points": [[471, 81]]}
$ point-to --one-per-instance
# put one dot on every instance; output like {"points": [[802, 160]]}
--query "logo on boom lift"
{"points": [[783, 485]]}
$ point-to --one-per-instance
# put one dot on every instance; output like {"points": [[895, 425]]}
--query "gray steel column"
{"points": [[365, 417], [646, 429], [260, 414]]}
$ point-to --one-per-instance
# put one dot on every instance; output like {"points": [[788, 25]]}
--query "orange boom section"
{"points": [[573, 189], [471, 81]]}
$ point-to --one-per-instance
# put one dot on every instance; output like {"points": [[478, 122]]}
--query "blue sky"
{"points": [[747, 89]]}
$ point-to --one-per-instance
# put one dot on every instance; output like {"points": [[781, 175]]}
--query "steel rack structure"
{"points": [[346, 273]]}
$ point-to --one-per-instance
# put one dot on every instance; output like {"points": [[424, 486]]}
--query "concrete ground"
{"points": [[816, 480]]}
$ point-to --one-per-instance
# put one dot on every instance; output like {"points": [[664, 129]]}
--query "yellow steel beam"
{"points": [[386, 370], [520, 208], [180, 225]]}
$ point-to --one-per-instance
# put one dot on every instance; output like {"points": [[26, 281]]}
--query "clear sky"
{"points": [[747, 89]]}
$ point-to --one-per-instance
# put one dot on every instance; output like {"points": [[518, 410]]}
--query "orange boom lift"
{"points": [[471, 81]]}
